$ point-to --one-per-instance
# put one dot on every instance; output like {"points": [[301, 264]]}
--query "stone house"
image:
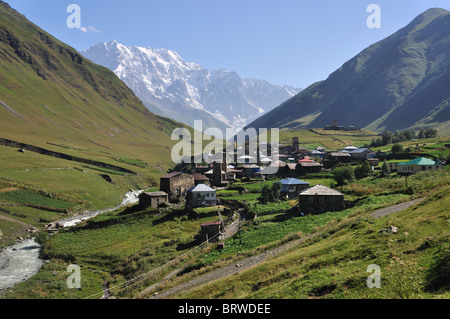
{"points": [[176, 184], [152, 199], [340, 157], [251, 170], [212, 231], [276, 168], [304, 168], [320, 199], [201, 179], [290, 170]]}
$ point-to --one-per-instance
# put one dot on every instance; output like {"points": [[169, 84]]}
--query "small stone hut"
{"points": [[152, 199], [211, 231], [176, 184]]}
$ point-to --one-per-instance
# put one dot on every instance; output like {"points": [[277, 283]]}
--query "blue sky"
{"points": [[293, 42]]}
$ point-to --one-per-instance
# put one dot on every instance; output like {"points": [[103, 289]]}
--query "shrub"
{"points": [[270, 194], [42, 238], [397, 148], [439, 273], [266, 195], [343, 175], [362, 170]]}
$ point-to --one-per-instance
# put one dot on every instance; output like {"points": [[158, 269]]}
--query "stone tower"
{"points": [[295, 144], [217, 178]]}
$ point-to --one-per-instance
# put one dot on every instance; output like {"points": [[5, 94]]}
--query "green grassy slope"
{"points": [[115, 247], [51, 97], [51, 94], [414, 262]]}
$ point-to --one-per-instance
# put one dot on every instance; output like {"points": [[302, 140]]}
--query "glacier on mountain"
{"points": [[184, 91]]}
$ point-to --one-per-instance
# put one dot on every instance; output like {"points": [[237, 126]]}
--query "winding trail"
{"points": [[250, 262], [3, 217]]}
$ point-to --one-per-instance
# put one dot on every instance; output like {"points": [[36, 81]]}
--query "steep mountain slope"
{"points": [[51, 96], [400, 82], [185, 91]]}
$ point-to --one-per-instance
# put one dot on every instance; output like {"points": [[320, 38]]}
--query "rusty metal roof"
{"points": [[173, 174]]}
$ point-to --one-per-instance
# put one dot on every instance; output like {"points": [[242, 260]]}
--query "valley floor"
{"points": [[278, 254]]}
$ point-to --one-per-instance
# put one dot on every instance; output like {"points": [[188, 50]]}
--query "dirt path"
{"points": [[250, 262], [3, 217], [396, 208], [230, 270]]}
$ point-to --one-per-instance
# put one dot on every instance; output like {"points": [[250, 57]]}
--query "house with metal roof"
{"points": [[318, 153], [291, 187], [359, 153], [320, 199], [417, 165], [201, 196]]}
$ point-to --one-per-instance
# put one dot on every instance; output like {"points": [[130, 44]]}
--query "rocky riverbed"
{"points": [[21, 261]]}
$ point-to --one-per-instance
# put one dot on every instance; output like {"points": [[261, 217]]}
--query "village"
{"points": [[204, 185]]}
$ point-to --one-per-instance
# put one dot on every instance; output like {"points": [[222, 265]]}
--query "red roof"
{"points": [[306, 160]]}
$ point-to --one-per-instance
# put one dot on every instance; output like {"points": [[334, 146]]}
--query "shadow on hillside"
{"points": [[438, 276], [187, 246], [170, 216], [292, 213]]}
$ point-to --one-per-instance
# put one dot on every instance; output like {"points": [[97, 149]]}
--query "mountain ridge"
{"points": [[380, 87], [51, 95], [185, 91]]}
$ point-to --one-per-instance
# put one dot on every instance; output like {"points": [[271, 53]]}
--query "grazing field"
{"points": [[414, 262], [331, 140], [114, 246], [38, 172], [31, 198], [269, 230]]}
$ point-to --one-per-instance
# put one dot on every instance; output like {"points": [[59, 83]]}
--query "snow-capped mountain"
{"points": [[185, 91]]}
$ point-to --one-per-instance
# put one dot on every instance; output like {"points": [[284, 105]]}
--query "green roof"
{"points": [[419, 161]]}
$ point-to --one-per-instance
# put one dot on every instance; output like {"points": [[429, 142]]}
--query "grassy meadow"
{"points": [[115, 247], [414, 262], [118, 246], [331, 140]]}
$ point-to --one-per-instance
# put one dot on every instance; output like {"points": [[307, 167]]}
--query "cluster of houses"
{"points": [[196, 187]]}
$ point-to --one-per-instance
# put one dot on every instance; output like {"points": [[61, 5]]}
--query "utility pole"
{"points": [[406, 174], [240, 237]]}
